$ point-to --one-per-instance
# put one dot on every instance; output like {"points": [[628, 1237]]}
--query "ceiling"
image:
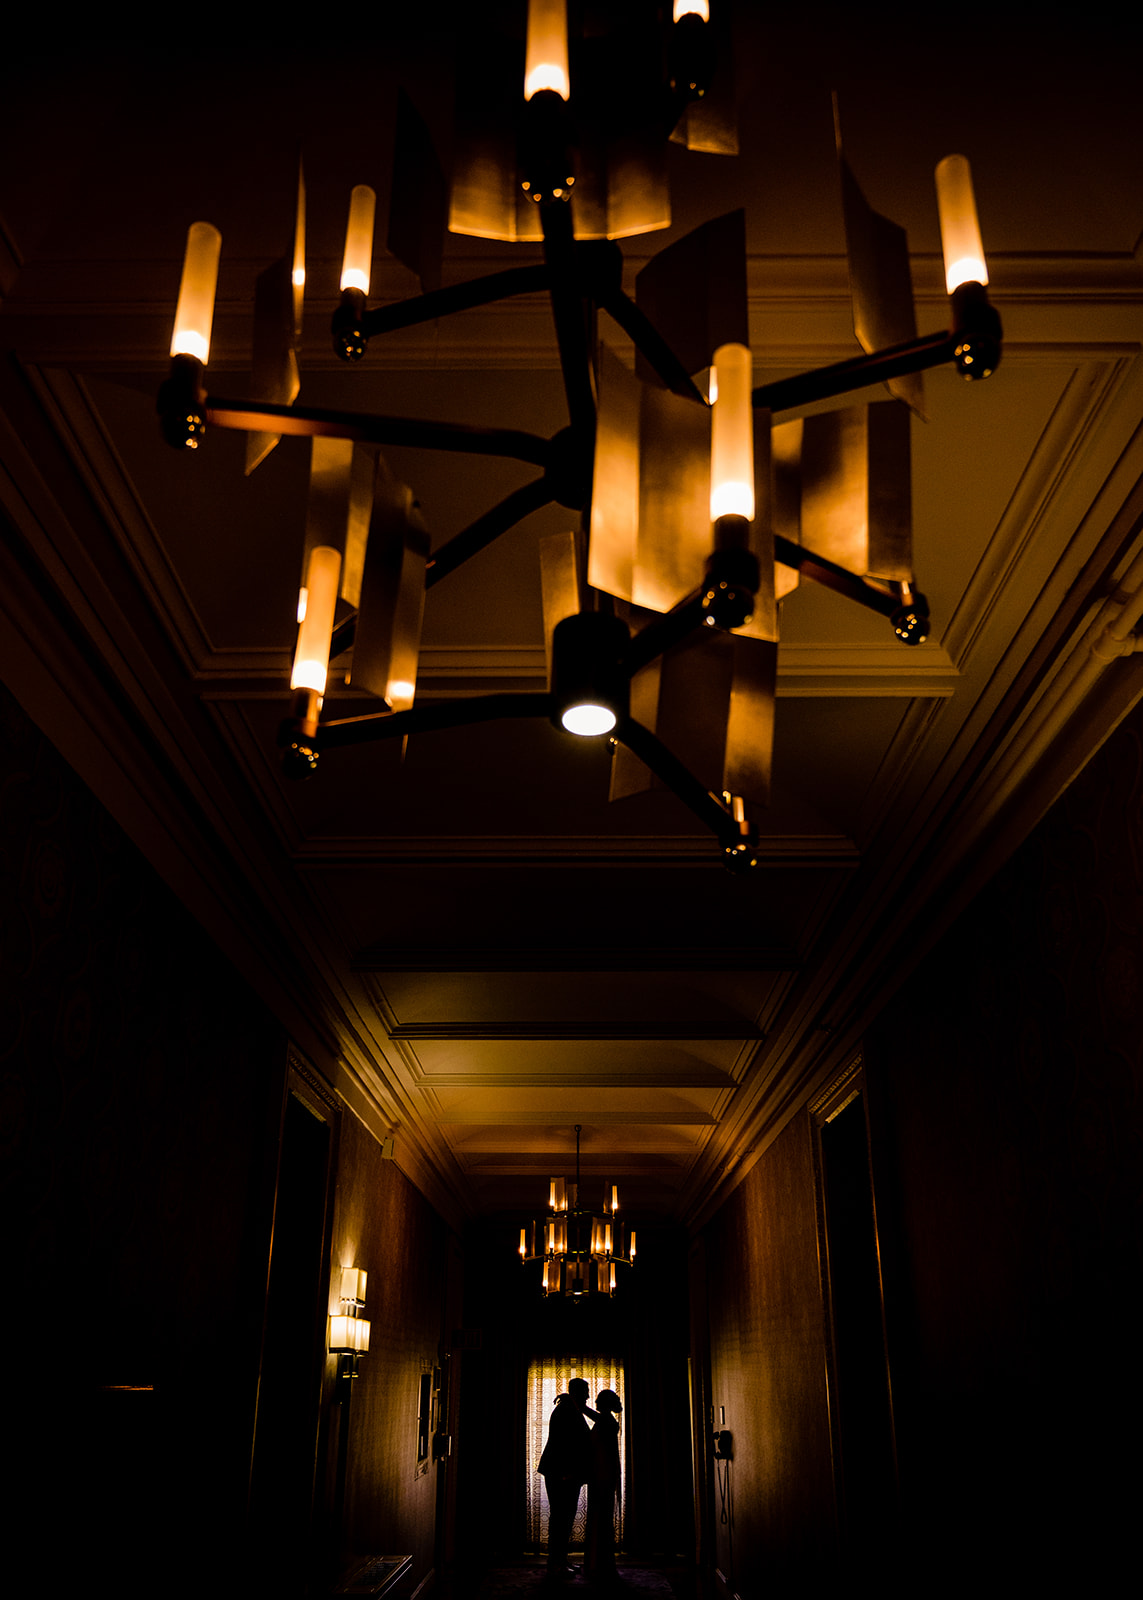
{"points": [[481, 948]]}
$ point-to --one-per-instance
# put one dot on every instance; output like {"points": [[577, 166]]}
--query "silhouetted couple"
{"points": [[576, 1454]]}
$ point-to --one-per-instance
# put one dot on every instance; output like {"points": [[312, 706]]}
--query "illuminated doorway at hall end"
{"points": [[548, 1377]]}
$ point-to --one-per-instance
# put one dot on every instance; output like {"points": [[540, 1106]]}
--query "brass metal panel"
{"points": [[880, 283], [750, 720], [835, 486], [275, 376], [485, 198], [628, 774], [694, 703], [559, 583], [694, 292], [786, 496], [339, 506], [674, 498], [855, 488], [418, 201], [890, 493], [388, 639], [615, 485], [638, 193]]}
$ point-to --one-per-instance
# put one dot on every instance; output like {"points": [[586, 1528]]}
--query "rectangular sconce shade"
{"points": [[546, 51], [961, 243], [311, 659], [194, 313], [353, 1281], [348, 1335], [357, 262]]}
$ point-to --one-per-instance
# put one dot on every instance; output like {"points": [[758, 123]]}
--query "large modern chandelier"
{"points": [[579, 1248], [696, 509]]}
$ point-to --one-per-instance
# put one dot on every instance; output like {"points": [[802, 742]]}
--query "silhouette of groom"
{"points": [[564, 1464]]}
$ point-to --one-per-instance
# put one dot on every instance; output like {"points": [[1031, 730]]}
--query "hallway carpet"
{"points": [[510, 1582]]}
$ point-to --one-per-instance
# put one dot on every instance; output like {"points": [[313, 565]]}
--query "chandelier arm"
{"points": [[650, 343], [667, 767], [917, 355], [651, 641], [456, 297], [568, 315], [251, 416], [873, 593], [430, 717], [487, 528]]}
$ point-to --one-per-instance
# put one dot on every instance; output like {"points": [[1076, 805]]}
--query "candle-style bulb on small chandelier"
{"points": [[579, 1249]]}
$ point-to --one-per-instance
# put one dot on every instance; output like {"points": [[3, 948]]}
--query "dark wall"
{"points": [[1006, 1128], [140, 1085], [645, 1323], [1008, 1152], [773, 1502], [148, 1119]]}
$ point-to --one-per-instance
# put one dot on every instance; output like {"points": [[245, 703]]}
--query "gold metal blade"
{"points": [[388, 639], [694, 292], [342, 476]]}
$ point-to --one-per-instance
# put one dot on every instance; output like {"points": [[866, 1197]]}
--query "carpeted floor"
{"points": [[529, 1578]]}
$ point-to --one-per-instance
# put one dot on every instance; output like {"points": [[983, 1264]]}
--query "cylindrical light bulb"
{"points": [[546, 56], [311, 659], [732, 435], [960, 230], [631, 1252], [357, 262], [195, 311], [690, 8], [521, 1244]]}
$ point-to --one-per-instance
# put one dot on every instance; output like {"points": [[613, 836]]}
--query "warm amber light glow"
{"points": [[303, 598], [732, 434], [195, 310], [960, 231], [690, 8], [546, 58], [631, 1252], [357, 262], [311, 659], [522, 1231]]}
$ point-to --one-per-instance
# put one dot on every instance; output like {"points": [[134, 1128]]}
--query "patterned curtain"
{"points": [[547, 1378]]}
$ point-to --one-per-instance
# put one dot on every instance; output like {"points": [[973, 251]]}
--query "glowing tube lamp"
{"points": [[546, 56], [195, 311], [311, 660], [960, 231], [732, 435], [357, 262], [690, 8]]}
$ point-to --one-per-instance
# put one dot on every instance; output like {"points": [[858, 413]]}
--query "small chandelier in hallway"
{"points": [[579, 1249]]}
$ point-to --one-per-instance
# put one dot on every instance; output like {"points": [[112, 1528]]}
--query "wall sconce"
{"points": [[349, 1330]]}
